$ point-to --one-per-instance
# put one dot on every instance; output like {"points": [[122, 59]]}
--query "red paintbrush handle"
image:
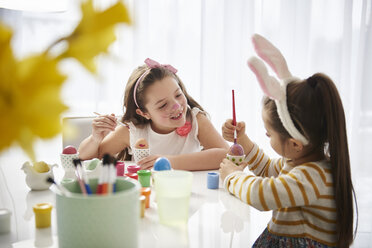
{"points": [[99, 189]]}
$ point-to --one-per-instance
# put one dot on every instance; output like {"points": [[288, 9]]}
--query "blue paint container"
{"points": [[213, 180]]}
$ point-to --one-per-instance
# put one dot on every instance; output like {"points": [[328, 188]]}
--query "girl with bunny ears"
{"points": [[309, 189], [158, 108]]}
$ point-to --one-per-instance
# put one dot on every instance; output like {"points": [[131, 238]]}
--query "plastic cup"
{"points": [[213, 180], [144, 177], [173, 190], [133, 168], [120, 168], [132, 175], [146, 192], [42, 215], [142, 200]]}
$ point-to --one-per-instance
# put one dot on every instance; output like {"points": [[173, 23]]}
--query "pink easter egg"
{"points": [[69, 150], [236, 150]]}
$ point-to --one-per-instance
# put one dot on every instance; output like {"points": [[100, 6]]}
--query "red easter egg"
{"points": [[69, 150]]}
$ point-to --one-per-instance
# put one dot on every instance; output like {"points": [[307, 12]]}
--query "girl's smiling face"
{"points": [[166, 105]]}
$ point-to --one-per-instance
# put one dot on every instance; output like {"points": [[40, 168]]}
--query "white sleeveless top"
{"points": [[167, 144]]}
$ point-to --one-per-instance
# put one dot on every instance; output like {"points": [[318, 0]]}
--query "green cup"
{"points": [[96, 220], [144, 177]]}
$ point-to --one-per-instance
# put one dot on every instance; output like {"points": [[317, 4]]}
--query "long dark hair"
{"points": [[316, 109], [129, 106]]}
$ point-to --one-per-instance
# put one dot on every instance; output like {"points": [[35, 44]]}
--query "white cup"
{"points": [[67, 161], [140, 154], [236, 159]]}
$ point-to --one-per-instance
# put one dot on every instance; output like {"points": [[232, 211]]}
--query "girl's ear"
{"points": [[144, 115], [295, 145]]}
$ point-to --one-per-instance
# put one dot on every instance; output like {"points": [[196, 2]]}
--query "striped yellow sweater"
{"points": [[301, 197]]}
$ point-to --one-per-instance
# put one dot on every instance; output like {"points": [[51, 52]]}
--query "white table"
{"points": [[216, 219]]}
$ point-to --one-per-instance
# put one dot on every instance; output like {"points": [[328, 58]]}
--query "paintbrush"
{"points": [[79, 178], [117, 121], [234, 116], [62, 189], [83, 175]]}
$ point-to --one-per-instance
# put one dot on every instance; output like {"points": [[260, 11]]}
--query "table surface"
{"points": [[216, 218]]}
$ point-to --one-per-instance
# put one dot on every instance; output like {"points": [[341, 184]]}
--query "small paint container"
{"points": [[146, 192], [132, 175], [4, 220], [144, 177], [133, 168], [142, 200], [120, 168], [213, 180], [42, 215]]}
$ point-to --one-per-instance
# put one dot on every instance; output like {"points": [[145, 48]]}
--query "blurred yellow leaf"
{"points": [[40, 86], [95, 33], [30, 102], [7, 66]]}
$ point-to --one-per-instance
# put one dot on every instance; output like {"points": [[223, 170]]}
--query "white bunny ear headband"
{"points": [[273, 88]]}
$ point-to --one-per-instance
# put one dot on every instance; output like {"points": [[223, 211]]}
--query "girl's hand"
{"points": [[228, 130], [103, 125], [148, 162], [227, 167]]}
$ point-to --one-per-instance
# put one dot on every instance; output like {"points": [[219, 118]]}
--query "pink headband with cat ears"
{"points": [[151, 64], [272, 87]]}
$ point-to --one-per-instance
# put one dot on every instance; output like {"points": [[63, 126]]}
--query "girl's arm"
{"points": [[115, 142], [215, 149], [101, 126], [88, 148], [258, 163], [204, 160], [302, 186], [112, 144], [208, 135], [261, 164]]}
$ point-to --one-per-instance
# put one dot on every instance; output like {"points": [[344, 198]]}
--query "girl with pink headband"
{"points": [[158, 108], [309, 189]]}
